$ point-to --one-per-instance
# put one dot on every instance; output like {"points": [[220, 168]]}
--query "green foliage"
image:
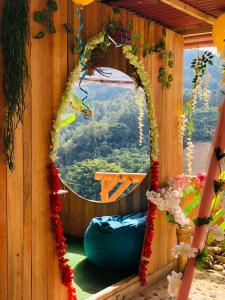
{"points": [[202, 221], [111, 135], [14, 36], [200, 64], [170, 218], [45, 17], [202, 259]]}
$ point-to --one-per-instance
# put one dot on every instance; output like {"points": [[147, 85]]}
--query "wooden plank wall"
{"points": [[28, 263], [77, 212]]}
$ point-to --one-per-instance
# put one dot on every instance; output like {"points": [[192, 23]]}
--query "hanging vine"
{"points": [[45, 17], [199, 65], [14, 36]]}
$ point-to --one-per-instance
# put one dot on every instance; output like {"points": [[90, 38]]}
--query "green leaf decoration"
{"points": [[77, 49], [219, 153], [171, 55], [164, 57], [68, 28], [202, 221], [162, 71], [39, 17], [136, 36], [44, 17], [39, 35], [51, 27], [219, 185], [161, 78], [170, 63], [135, 49], [130, 25], [104, 46], [68, 121], [202, 259], [170, 218], [170, 78], [52, 5], [168, 85]]}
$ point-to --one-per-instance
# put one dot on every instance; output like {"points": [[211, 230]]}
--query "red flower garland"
{"points": [[57, 228], [149, 232]]}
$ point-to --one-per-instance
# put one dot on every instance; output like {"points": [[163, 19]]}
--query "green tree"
{"points": [[80, 177]]}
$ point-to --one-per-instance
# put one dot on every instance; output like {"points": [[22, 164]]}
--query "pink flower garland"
{"points": [[149, 232], [57, 228]]}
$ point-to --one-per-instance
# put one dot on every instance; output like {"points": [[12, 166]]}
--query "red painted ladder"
{"points": [[205, 205]]}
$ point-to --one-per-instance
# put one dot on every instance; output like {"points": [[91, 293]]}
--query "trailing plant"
{"points": [[164, 78], [199, 65], [14, 36], [45, 17]]}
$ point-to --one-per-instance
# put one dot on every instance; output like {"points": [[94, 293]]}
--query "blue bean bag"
{"points": [[115, 242]]}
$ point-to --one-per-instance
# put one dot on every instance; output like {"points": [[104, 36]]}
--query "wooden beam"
{"points": [[194, 31], [122, 176], [198, 41], [190, 10]]}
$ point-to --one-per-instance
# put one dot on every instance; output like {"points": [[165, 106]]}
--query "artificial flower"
{"points": [[179, 216], [174, 283], [184, 250], [182, 124], [217, 232], [180, 181], [190, 151]]}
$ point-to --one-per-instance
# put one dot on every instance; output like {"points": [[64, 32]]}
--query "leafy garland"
{"points": [[68, 94], [14, 36]]}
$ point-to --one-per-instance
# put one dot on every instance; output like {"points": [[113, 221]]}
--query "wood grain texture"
{"points": [[3, 195], [28, 261]]}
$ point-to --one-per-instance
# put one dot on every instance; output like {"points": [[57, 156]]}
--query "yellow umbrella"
{"points": [[83, 2], [218, 33]]}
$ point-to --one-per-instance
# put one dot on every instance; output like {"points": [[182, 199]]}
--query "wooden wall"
{"points": [[28, 264], [77, 212]]}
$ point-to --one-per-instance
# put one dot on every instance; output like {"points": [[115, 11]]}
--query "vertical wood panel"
{"points": [[3, 195], [15, 223]]}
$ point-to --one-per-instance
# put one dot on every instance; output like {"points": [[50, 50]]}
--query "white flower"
{"points": [[185, 250], [179, 216], [169, 200], [217, 232], [174, 283]]}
